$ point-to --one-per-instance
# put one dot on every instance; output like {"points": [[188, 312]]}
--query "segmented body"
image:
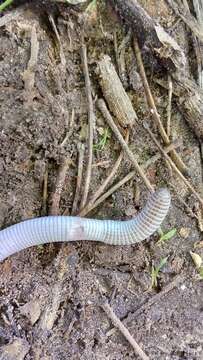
{"points": [[64, 228]]}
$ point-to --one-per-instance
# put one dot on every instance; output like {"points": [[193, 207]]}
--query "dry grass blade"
{"points": [[153, 110], [102, 107], [91, 124]]}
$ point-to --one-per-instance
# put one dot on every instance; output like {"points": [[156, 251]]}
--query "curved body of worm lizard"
{"points": [[64, 228]]}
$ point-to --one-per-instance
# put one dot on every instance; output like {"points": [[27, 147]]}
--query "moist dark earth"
{"points": [[50, 307]]}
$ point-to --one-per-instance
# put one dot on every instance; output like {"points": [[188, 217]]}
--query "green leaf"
{"points": [[5, 4], [168, 235], [103, 140]]}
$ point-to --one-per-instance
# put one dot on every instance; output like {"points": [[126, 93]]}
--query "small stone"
{"points": [[184, 232]]}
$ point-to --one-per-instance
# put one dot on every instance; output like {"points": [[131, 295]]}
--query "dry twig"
{"points": [[29, 73], [92, 205], [81, 151], [174, 167], [102, 107], [98, 193], [59, 187], [61, 53], [70, 131], [45, 191], [153, 110], [123, 329], [50, 312], [91, 123], [170, 93]]}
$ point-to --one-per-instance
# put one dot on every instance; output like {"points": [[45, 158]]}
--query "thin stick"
{"points": [[174, 167], [103, 186], [125, 332], [153, 110], [158, 156], [104, 163], [29, 73], [59, 187], [81, 152], [61, 52], [89, 207], [70, 131], [170, 92], [91, 123], [45, 191], [102, 107]]}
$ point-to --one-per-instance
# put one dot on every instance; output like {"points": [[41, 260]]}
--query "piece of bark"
{"points": [[188, 18], [189, 98], [151, 36], [114, 93]]}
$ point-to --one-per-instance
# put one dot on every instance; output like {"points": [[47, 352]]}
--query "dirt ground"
{"points": [[50, 310]]}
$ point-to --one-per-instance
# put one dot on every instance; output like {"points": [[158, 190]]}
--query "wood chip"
{"points": [[114, 93]]}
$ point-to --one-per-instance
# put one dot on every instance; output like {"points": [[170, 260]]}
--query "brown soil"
{"points": [[171, 328]]}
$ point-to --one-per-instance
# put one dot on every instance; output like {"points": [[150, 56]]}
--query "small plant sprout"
{"points": [[4, 5], [103, 140], [155, 272], [167, 236]]}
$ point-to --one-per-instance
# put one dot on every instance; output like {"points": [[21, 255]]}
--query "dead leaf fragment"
{"points": [[196, 259]]}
